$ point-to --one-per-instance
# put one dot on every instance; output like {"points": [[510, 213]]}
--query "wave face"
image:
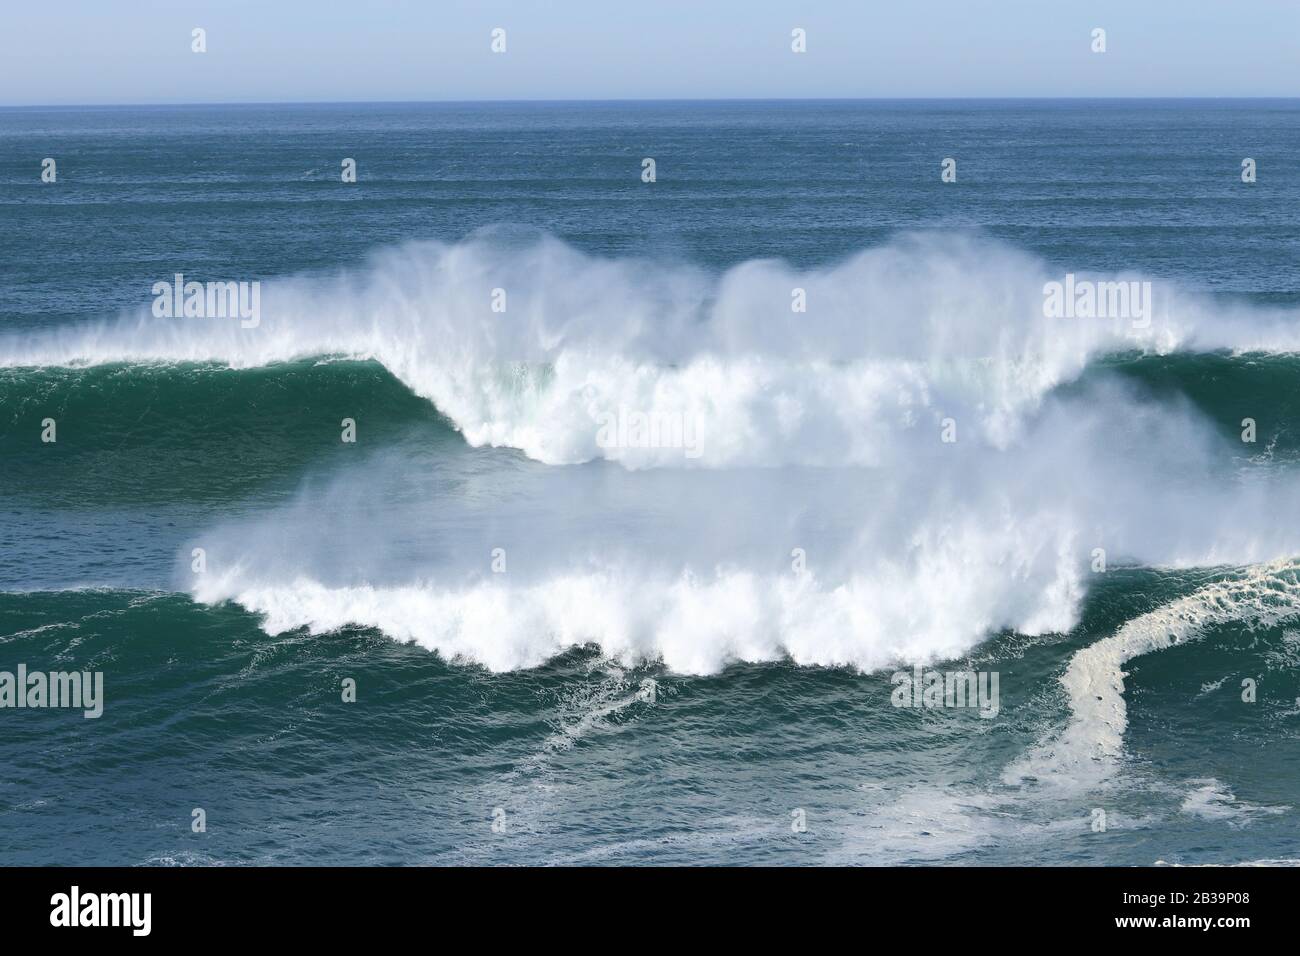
{"points": [[920, 459], [894, 340]]}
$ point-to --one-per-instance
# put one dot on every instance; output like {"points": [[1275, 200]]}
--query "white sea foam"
{"points": [[1266, 862], [1085, 751], [1211, 799], [1084, 756], [894, 340], [915, 573], [818, 431], [692, 625], [909, 563]]}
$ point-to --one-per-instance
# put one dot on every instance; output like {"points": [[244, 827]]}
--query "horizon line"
{"points": [[643, 99]]}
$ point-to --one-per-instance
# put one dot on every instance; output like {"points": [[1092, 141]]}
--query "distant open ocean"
{"points": [[572, 649]]}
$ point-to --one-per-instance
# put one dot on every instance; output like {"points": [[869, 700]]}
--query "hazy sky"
{"points": [[138, 51]]}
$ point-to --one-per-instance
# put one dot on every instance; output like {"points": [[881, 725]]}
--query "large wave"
{"points": [[824, 517], [893, 342]]}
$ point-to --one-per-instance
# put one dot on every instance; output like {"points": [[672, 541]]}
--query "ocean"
{"points": [[547, 511]]}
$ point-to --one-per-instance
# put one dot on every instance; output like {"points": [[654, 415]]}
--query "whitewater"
{"points": [[825, 519]]}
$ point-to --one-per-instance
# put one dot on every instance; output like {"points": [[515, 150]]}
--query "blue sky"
{"points": [[138, 51]]}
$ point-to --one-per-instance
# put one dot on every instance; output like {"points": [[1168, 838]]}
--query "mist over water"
{"points": [[819, 434]]}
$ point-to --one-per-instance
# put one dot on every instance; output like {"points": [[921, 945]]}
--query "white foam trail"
{"points": [[1212, 800], [1268, 862], [894, 340], [1085, 752]]}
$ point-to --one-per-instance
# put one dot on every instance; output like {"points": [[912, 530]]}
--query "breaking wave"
{"points": [[823, 517]]}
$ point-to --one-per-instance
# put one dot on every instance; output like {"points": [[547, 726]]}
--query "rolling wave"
{"points": [[895, 342], [825, 517]]}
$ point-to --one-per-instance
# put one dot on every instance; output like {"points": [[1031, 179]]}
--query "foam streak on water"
{"points": [[1086, 751]]}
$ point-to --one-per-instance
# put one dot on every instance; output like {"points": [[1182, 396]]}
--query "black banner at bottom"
{"points": [[216, 905]]}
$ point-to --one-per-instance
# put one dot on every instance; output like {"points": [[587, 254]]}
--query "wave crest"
{"points": [[894, 341]]}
